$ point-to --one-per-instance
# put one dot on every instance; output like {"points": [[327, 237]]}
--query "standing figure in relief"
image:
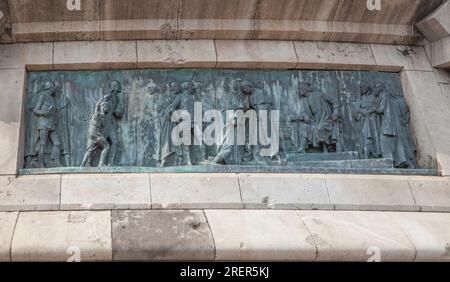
{"points": [[304, 119], [164, 147], [393, 144], [367, 115], [46, 111], [103, 127]]}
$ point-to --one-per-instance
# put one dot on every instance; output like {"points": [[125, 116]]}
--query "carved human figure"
{"points": [[46, 113], [229, 152], [366, 113], [392, 142], [318, 119], [103, 128], [164, 146]]}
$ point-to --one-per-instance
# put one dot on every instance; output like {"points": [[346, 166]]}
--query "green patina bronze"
{"points": [[120, 121]]}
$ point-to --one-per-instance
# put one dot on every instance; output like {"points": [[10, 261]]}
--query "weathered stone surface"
{"points": [[161, 235], [13, 87], [293, 30], [322, 10], [285, 191], [429, 116], [431, 193], [95, 55], [442, 75], [370, 192], [55, 31], [138, 19], [33, 56], [260, 235], [216, 19], [437, 24], [329, 55], [356, 236], [50, 20], [255, 54], [429, 232], [5, 23], [441, 53], [53, 236], [110, 191], [397, 58], [176, 54], [195, 191], [29, 193], [445, 87], [7, 224]]}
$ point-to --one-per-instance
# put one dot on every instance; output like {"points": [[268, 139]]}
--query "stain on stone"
{"points": [[316, 241], [77, 217]]}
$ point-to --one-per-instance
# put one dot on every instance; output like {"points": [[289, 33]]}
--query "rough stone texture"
{"points": [[293, 30], [445, 87], [216, 19], [50, 20], [161, 235], [370, 192], [33, 56], [429, 117], [255, 54], [5, 23], [431, 193], [138, 19], [260, 235], [437, 24], [105, 191], [7, 224], [49, 236], [353, 236], [95, 55], [396, 58], [441, 53], [29, 192], [429, 232], [195, 191], [442, 75], [11, 97], [284, 191], [329, 55], [176, 54]]}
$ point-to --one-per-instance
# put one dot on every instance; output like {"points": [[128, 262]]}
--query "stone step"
{"points": [[350, 155], [362, 163]]}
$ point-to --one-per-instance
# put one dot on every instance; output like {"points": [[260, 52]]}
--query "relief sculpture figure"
{"points": [[46, 113], [393, 144], [164, 147], [366, 113], [103, 129]]}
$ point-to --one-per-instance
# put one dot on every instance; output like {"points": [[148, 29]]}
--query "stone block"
{"points": [[33, 56], [5, 23], [284, 191], [7, 224], [52, 20], [330, 55], [59, 236], [293, 30], [429, 232], [260, 235], [161, 235], [138, 19], [357, 236], [430, 110], [105, 191], [441, 53], [13, 87], [436, 25], [370, 192], [255, 54], [442, 75], [216, 19], [36, 192], [192, 191], [176, 54], [431, 193], [96, 55], [445, 87], [396, 58]]}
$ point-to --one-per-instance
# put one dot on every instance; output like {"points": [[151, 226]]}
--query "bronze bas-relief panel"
{"points": [[123, 118]]}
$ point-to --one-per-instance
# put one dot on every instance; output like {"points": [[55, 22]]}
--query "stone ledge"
{"points": [[162, 191], [212, 235]]}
